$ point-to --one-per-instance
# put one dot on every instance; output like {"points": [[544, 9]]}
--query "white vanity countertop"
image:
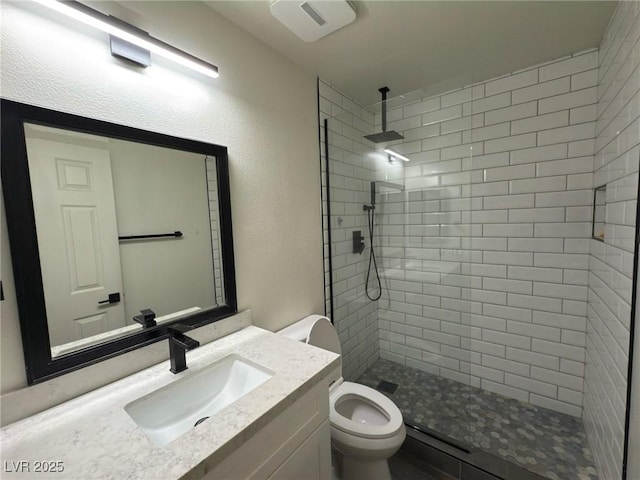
{"points": [[93, 437]]}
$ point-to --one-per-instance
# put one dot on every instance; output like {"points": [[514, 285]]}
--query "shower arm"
{"points": [[385, 136], [384, 91]]}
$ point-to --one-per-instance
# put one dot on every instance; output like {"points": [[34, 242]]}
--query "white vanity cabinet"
{"points": [[296, 445]]}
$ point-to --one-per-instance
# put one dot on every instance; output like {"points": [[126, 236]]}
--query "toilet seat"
{"points": [[368, 398]]}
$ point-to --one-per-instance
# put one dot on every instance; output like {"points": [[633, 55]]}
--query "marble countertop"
{"points": [[92, 436]]}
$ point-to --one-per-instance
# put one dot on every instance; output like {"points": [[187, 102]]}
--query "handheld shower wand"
{"points": [[370, 209]]}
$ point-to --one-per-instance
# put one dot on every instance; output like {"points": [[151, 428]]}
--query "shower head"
{"points": [[384, 136]]}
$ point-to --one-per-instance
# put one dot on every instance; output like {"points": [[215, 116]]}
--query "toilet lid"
{"points": [[373, 399], [323, 335]]}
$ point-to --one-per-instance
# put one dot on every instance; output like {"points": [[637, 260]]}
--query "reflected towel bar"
{"points": [[176, 234]]}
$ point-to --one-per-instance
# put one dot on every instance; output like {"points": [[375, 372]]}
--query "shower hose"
{"points": [[372, 258]]}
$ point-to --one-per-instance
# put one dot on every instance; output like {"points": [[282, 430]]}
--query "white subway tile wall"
{"points": [[617, 154], [486, 270], [351, 171]]}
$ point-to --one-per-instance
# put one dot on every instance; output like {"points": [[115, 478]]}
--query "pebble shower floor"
{"points": [[545, 442]]}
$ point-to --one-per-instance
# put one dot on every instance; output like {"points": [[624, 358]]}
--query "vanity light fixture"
{"points": [[396, 155], [129, 34]]}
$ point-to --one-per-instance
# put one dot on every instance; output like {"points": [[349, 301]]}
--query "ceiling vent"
{"points": [[311, 20]]}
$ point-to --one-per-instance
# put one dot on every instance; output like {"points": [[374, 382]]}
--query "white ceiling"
{"points": [[411, 45]]}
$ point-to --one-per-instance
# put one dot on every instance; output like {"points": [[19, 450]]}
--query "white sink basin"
{"points": [[173, 410]]}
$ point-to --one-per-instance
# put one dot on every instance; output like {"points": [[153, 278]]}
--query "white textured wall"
{"points": [[617, 154], [262, 108]]}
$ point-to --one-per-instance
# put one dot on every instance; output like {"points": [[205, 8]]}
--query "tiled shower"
{"points": [[491, 277]]}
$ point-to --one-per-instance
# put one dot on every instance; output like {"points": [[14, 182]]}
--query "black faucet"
{"points": [[179, 343]]}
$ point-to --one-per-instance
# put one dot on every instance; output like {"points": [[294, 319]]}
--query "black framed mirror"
{"points": [[105, 221]]}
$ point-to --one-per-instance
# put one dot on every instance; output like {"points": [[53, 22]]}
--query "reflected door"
{"points": [[77, 238]]}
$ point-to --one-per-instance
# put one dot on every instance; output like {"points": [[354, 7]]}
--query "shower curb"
{"points": [[446, 462]]}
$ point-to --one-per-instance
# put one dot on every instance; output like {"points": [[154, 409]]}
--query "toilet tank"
{"points": [[323, 335], [300, 330]]}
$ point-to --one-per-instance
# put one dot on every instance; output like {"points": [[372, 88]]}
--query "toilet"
{"points": [[366, 427]]}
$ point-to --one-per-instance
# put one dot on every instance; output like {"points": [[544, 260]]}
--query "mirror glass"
{"points": [[122, 227]]}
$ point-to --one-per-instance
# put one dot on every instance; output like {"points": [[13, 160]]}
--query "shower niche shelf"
{"points": [[597, 227]]}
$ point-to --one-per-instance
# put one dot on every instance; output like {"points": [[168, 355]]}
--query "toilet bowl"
{"points": [[366, 426]]}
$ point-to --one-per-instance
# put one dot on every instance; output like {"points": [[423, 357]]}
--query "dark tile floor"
{"points": [[548, 443]]}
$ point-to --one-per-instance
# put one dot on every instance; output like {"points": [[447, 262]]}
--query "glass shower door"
{"points": [[402, 310]]}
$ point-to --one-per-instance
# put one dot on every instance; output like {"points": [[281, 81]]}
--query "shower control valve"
{"points": [[358, 242]]}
